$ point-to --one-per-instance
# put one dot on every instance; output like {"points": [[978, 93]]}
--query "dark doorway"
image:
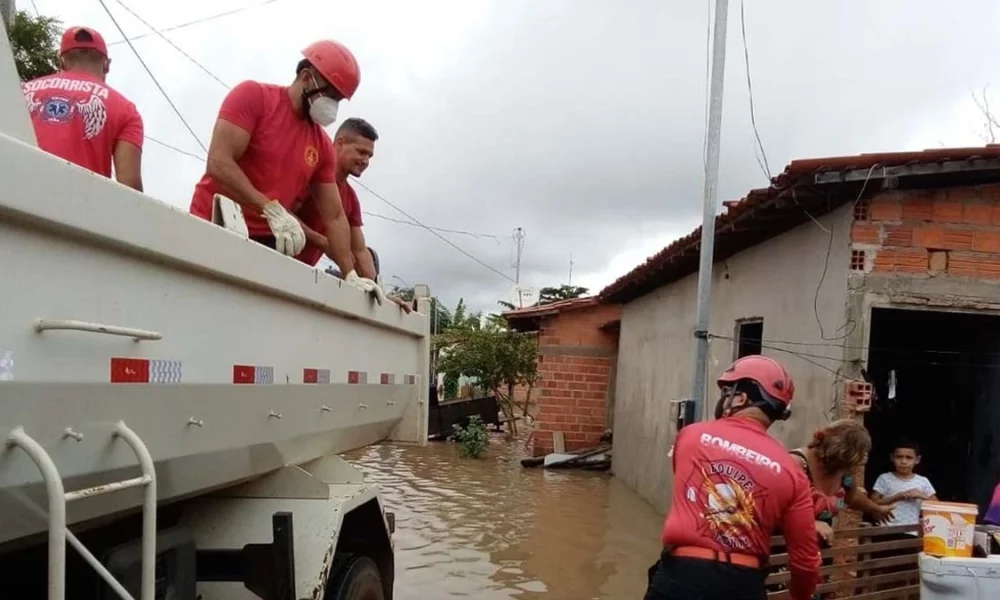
{"points": [[749, 337], [945, 371]]}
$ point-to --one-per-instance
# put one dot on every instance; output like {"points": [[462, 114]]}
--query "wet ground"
{"points": [[490, 529]]}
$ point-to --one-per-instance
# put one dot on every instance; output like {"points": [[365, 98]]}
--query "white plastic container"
{"points": [[954, 578]]}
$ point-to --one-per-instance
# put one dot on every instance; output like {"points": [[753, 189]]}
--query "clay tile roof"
{"points": [[768, 212], [550, 308]]}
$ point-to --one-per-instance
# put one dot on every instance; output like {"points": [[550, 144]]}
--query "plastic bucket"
{"points": [[949, 528]]}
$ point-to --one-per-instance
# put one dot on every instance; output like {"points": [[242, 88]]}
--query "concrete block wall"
{"points": [[951, 232], [576, 362]]}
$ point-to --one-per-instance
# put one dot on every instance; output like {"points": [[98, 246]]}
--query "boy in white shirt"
{"points": [[902, 486]]}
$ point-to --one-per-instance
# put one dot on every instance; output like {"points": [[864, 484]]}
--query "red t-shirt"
{"points": [[734, 486], [79, 118], [285, 155], [309, 213]]}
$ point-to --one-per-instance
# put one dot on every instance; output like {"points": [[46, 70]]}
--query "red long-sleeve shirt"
{"points": [[734, 485]]}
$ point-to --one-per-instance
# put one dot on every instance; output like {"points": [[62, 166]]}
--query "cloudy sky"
{"points": [[580, 121]]}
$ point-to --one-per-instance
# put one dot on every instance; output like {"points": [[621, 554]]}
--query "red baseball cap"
{"points": [[82, 38]]}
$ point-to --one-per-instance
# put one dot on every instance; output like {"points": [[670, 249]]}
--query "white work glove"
{"points": [[366, 285], [289, 239]]}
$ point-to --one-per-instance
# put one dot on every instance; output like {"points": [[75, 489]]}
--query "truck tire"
{"points": [[355, 577]]}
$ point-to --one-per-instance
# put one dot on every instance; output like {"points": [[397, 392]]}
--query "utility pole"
{"points": [[708, 215], [518, 251], [570, 282]]}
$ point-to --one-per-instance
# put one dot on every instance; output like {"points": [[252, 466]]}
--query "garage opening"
{"points": [[937, 381]]}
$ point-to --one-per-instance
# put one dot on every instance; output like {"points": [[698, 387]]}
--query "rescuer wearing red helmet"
{"points": [[734, 486], [269, 150]]}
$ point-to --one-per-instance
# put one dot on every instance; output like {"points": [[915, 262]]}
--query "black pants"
{"points": [[673, 578]]}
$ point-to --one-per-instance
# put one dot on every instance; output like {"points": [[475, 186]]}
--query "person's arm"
{"points": [[128, 164], [799, 528], [312, 236], [338, 233], [127, 155], [857, 499], [362, 257], [236, 123]]}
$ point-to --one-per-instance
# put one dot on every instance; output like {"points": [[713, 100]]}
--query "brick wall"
{"points": [[948, 232], [575, 365]]}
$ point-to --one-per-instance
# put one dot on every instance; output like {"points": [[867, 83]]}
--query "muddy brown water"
{"points": [[490, 529]]}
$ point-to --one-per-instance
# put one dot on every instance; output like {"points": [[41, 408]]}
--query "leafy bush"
{"points": [[474, 438]]}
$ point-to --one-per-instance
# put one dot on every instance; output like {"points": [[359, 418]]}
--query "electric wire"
{"points": [[153, 77], [826, 268], [194, 22], [464, 232], [435, 233], [762, 158], [175, 46]]}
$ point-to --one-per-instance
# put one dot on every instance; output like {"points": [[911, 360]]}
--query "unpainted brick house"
{"points": [[877, 272], [577, 347]]}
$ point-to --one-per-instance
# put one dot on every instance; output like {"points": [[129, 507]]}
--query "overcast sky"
{"points": [[581, 121]]}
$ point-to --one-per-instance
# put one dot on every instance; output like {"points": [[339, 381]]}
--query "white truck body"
{"points": [[118, 310]]}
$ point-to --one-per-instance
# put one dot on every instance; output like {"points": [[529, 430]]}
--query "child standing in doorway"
{"points": [[904, 487]]}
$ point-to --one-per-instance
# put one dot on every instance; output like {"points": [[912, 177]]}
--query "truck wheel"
{"points": [[355, 577]]}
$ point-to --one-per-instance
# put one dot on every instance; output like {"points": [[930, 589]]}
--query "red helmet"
{"points": [[770, 376], [336, 64]]}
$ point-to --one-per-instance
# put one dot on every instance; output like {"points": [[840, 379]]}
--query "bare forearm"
{"points": [[858, 500], [338, 246], [133, 181], [364, 264], [231, 177], [312, 236]]}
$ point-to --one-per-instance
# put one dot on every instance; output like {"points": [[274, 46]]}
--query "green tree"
{"points": [[35, 43], [563, 292], [483, 348]]}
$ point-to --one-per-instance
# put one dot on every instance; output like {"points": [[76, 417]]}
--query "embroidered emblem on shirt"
{"points": [[311, 156]]}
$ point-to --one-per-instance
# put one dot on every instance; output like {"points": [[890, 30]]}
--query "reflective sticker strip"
{"points": [[129, 370], [164, 371], [357, 377], [315, 375], [6, 365], [410, 379], [388, 379], [249, 374]]}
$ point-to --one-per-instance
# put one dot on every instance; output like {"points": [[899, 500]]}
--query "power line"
{"points": [[753, 119], [153, 77], [826, 268], [441, 229], [436, 234], [369, 213], [175, 46], [195, 22], [175, 148]]}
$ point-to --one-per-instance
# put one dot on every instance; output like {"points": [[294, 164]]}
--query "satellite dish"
{"points": [[523, 296]]}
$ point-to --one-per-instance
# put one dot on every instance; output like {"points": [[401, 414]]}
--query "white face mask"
{"points": [[323, 110]]}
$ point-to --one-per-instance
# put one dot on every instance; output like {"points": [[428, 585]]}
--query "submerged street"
{"points": [[490, 529]]}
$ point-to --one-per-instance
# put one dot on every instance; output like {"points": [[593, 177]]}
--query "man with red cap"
{"points": [[734, 486], [269, 151], [77, 117]]}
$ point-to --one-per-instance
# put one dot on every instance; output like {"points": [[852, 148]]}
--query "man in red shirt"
{"points": [[734, 486], [269, 149], [79, 118], [354, 144]]}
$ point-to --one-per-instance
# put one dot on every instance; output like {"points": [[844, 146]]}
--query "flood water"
{"points": [[491, 529]]}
